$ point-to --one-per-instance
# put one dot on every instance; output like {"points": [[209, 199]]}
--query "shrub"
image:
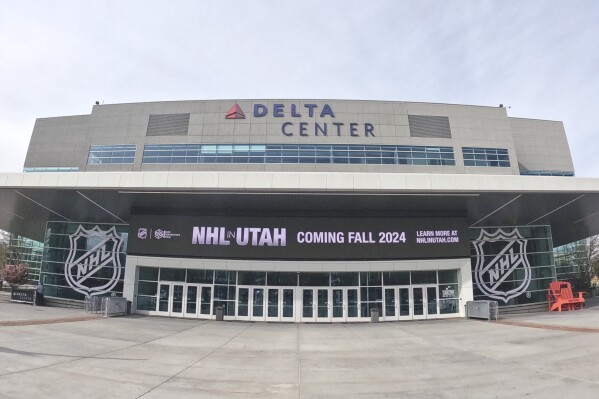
{"points": [[14, 274]]}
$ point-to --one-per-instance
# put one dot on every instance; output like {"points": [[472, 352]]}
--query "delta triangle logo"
{"points": [[235, 113]]}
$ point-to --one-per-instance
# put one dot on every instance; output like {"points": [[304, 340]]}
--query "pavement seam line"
{"points": [[199, 360]]}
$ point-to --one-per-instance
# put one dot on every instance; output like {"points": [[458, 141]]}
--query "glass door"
{"points": [[288, 304], [198, 301], [164, 295], [339, 305], [170, 300], [344, 304], [419, 303], [258, 308], [205, 302], [177, 300], [251, 303], [323, 311], [425, 302], [280, 304], [243, 303], [397, 303], [390, 308], [404, 303], [191, 301], [273, 304], [308, 305], [353, 304]]}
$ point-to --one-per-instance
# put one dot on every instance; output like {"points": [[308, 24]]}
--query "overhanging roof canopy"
{"points": [[570, 205]]}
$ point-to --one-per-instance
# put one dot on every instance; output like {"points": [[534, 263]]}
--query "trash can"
{"points": [[220, 313], [374, 315], [129, 303]]}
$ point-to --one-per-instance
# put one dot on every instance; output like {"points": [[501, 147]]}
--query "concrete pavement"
{"points": [[151, 357]]}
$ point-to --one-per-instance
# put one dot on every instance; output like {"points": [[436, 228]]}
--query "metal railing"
{"points": [[106, 306]]}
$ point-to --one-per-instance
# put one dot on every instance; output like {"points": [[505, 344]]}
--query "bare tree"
{"points": [[579, 262]]}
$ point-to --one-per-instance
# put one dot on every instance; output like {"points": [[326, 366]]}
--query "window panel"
{"points": [[491, 157], [287, 154]]}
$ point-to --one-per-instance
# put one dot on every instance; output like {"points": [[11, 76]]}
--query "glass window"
{"points": [[251, 278], [147, 288], [396, 278], [448, 276], [424, 277], [492, 157], [448, 306], [224, 277], [116, 154], [282, 279], [276, 153], [148, 273], [146, 302], [370, 278], [52, 169], [447, 291], [167, 274], [224, 292], [200, 276], [314, 279], [344, 279]]}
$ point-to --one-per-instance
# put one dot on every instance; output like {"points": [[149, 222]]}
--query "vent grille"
{"points": [[429, 126], [168, 125]]}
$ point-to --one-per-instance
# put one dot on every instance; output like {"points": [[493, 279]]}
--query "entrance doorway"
{"points": [[170, 301], [410, 302], [251, 303], [198, 301], [315, 304], [266, 303], [345, 304], [280, 304], [185, 300]]}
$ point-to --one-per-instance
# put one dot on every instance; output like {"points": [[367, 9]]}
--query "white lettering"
{"points": [[198, 235]]}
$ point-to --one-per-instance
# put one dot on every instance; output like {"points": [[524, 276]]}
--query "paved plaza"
{"points": [[64, 353]]}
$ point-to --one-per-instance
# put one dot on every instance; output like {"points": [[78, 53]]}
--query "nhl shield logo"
{"points": [[507, 275], [93, 266]]}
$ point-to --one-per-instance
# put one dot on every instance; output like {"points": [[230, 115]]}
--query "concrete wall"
{"points": [[59, 142], [541, 145], [65, 141]]}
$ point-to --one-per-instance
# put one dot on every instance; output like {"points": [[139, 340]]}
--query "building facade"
{"points": [[300, 210]]}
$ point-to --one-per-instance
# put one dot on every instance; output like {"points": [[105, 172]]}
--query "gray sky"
{"points": [[539, 57]]}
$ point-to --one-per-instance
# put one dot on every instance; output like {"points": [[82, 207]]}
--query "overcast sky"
{"points": [[541, 58]]}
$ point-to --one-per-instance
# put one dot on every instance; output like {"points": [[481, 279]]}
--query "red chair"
{"points": [[560, 297]]}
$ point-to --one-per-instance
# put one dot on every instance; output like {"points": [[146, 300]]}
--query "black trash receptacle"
{"points": [[220, 313], [129, 307], [374, 315]]}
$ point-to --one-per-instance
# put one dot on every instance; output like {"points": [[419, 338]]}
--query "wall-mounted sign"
{"points": [[93, 266], [323, 115], [496, 276], [302, 238]]}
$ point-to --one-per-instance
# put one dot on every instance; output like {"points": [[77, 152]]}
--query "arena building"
{"points": [[299, 210]]}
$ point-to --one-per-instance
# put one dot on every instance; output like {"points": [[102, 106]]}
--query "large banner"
{"points": [[297, 238]]}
